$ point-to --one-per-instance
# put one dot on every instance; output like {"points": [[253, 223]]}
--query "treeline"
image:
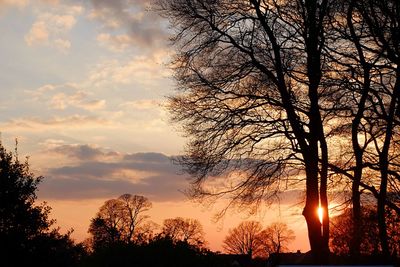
{"points": [[121, 234]]}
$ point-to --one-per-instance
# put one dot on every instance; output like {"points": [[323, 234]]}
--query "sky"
{"points": [[84, 86]]}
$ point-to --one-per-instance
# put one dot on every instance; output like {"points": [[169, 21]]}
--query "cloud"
{"points": [[82, 152], [62, 45], [143, 104], [77, 99], [141, 28], [61, 97], [51, 27], [39, 34], [116, 43], [146, 71], [55, 122], [98, 173], [13, 3]]}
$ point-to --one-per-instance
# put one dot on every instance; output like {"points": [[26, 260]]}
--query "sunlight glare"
{"points": [[320, 213]]}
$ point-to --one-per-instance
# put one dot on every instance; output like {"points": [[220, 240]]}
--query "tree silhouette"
{"points": [[250, 96], [365, 52], [185, 230], [274, 239], [118, 219], [26, 237], [248, 238], [268, 89], [243, 239]]}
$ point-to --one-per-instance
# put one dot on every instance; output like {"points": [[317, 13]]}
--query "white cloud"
{"points": [[51, 28]]}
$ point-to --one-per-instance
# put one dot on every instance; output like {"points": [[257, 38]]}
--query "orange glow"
{"points": [[320, 213]]}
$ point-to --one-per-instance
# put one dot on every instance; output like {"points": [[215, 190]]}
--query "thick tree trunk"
{"points": [[316, 185], [316, 188], [314, 231], [319, 245]]}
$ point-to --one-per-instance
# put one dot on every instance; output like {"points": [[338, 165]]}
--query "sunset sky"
{"points": [[83, 86]]}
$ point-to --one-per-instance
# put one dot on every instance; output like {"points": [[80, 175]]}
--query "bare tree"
{"points": [[249, 76], [250, 239], [243, 238], [185, 230], [117, 219], [133, 209], [383, 20], [274, 239], [106, 226], [366, 53]]}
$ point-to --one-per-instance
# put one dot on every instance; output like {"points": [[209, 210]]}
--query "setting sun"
{"points": [[320, 212]]}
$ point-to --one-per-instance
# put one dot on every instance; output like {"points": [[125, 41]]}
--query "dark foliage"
{"points": [[160, 252], [25, 234], [341, 234]]}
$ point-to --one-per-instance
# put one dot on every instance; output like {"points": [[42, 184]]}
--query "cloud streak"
{"points": [[40, 124], [98, 173], [101, 173]]}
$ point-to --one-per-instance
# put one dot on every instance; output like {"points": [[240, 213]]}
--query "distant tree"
{"points": [[118, 219], [26, 237], [145, 232], [249, 238], [133, 208], [185, 230], [243, 239], [274, 239]]}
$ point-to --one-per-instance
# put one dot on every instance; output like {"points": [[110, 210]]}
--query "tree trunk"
{"points": [[384, 166], [316, 185], [319, 248], [355, 244]]}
